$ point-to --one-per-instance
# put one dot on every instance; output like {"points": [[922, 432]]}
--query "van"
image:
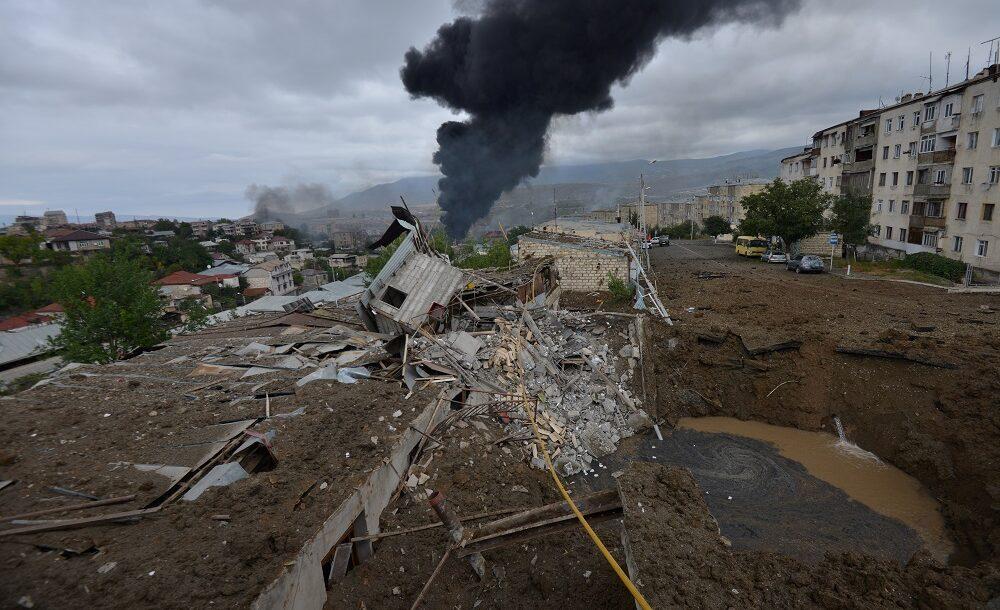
{"points": [[747, 245]]}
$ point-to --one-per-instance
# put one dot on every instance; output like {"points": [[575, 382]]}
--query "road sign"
{"points": [[834, 239]]}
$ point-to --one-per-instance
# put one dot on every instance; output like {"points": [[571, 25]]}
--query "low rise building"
{"points": [[345, 241], [245, 246], [183, 285], [313, 278], [342, 261], [274, 275], [583, 264], [54, 218], [282, 244], [79, 241]]}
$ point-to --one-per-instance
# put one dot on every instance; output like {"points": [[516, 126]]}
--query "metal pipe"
{"points": [[450, 519]]}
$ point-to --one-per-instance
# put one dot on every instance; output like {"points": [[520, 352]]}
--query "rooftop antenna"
{"points": [[968, 59], [947, 68], [992, 57], [930, 72]]}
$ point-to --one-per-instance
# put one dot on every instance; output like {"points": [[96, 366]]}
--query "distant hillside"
{"points": [[590, 185]]}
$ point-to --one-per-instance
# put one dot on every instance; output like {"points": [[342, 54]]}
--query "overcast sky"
{"points": [[175, 107]]}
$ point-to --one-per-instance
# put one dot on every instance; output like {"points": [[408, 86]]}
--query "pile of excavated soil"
{"points": [[681, 560], [940, 425]]}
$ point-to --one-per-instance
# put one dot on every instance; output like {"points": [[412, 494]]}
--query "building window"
{"points": [[956, 243], [939, 176], [824, 161], [988, 211], [927, 144], [902, 121], [935, 209], [916, 118], [948, 108], [973, 140], [977, 104], [909, 178], [904, 207], [895, 178], [996, 136], [966, 175], [994, 174], [838, 180], [881, 179], [963, 207], [888, 232], [982, 247], [878, 230], [913, 148], [897, 151], [930, 239], [892, 205], [930, 112], [902, 234], [888, 125], [885, 152], [879, 208]]}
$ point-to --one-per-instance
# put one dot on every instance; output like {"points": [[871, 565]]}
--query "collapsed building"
{"points": [[249, 463]]}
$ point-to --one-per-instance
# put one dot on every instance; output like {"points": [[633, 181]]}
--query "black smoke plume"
{"points": [[279, 202], [520, 62]]}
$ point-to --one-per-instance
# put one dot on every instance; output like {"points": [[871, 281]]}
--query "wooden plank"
{"points": [[341, 561], [878, 353], [72, 507], [74, 523]]}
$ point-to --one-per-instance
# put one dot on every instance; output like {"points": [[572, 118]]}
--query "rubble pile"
{"points": [[584, 405]]}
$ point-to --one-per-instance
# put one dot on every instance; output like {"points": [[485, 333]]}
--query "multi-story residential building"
{"points": [[201, 228], [828, 146], [226, 228], [247, 227], [79, 241], [35, 222], [282, 244], [948, 174], [726, 199], [861, 138], [273, 275], [54, 218], [105, 219], [799, 166], [261, 243], [974, 218], [348, 240], [272, 226], [245, 246], [895, 180]]}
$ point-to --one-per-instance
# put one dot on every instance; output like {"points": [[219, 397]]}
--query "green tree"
{"points": [[110, 309], [633, 219], [497, 255], [438, 240], [682, 230], [165, 224], [184, 230], [180, 254], [377, 261], [16, 248], [297, 278], [716, 225], [516, 232], [789, 210], [851, 216]]}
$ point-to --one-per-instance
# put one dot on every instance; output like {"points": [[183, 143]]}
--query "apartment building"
{"points": [[274, 275], [828, 147], [937, 172], [726, 199], [55, 218], [798, 166], [861, 139], [974, 220], [105, 219]]}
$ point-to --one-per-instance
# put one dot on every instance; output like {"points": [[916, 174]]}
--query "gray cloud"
{"points": [[177, 107]]}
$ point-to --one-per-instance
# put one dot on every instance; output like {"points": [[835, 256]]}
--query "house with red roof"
{"points": [[181, 285]]}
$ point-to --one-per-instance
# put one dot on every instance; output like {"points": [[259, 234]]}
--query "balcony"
{"points": [[939, 191], [928, 126], [927, 222], [864, 140], [937, 156], [857, 167], [813, 172]]}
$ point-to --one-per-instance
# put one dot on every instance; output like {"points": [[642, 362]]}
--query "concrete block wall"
{"points": [[819, 245], [579, 268]]}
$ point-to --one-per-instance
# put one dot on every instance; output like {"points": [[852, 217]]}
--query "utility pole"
{"points": [[947, 68], [555, 208], [930, 72], [968, 59], [642, 218]]}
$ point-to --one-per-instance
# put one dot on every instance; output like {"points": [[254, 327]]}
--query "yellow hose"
{"points": [[639, 599]]}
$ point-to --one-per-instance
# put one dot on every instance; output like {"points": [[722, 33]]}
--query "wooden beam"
{"points": [[72, 507]]}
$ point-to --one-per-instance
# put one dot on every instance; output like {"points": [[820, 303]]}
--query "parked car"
{"points": [[774, 256], [664, 240], [805, 263]]}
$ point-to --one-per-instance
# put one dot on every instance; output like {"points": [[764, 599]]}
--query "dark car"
{"points": [[805, 263]]}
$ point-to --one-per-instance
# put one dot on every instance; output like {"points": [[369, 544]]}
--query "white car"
{"points": [[774, 256]]}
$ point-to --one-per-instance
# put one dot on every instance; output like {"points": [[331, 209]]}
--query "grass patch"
{"points": [[621, 292], [891, 269], [21, 383]]}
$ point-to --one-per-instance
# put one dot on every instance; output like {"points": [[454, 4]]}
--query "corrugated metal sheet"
{"points": [[26, 342], [426, 281]]}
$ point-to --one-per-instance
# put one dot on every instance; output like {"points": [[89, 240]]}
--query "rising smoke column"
{"points": [[520, 62], [280, 202]]}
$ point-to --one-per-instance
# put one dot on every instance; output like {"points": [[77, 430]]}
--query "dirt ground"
{"points": [[940, 425]]}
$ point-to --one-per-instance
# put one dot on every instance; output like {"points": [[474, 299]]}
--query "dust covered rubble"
{"points": [[585, 407]]}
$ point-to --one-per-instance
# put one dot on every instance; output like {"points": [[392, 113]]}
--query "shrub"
{"points": [[620, 290], [935, 264]]}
